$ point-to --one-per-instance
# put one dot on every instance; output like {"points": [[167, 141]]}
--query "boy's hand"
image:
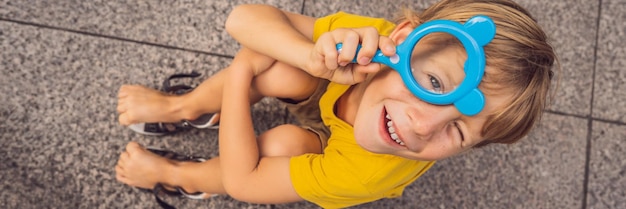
{"points": [[326, 62]]}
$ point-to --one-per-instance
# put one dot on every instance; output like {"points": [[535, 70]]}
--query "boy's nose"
{"points": [[431, 121], [424, 130]]}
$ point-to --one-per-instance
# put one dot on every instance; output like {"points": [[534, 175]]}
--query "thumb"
{"points": [[358, 77], [369, 68]]}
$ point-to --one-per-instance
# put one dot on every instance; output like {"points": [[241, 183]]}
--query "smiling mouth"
{"points": [[391, 130]]}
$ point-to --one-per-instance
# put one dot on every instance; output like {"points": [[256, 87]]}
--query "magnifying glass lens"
{"points": [[437, 64]]}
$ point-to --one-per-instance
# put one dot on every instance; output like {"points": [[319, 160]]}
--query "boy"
{"points": [[367, 136]]}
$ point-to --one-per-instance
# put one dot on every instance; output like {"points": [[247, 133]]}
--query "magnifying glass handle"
{"points": [[379, 57]]}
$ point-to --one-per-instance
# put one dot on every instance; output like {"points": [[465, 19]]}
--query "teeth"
{"points": [[392, 131]]}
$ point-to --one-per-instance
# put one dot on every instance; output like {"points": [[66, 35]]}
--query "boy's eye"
{"points": [[429, 81], [435, 84], [458, 128]]}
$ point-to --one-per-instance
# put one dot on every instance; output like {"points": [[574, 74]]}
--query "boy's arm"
{"points": [[287, 37], [245, 175], [279, 34]]}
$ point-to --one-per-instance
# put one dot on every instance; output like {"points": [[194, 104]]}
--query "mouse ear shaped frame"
{"points": [[477, 32], [482, 30]]}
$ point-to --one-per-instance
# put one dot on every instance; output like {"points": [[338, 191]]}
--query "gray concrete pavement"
{"points": [[63, 61]]}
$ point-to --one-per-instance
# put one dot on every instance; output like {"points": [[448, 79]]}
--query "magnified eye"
{"points": [[436, 84], [437, 64], [429, 81]]}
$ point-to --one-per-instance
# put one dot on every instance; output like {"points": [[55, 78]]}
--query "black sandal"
{"points": [[159, 189], [210, 121]]}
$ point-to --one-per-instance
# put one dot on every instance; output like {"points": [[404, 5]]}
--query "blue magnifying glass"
{"points": [[477, 32]]}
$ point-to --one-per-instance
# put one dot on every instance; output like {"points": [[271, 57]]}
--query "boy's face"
{"points": [[391, 120]]}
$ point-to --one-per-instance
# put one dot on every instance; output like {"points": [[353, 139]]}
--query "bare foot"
{"points": [[139, 104], [141, 168]]}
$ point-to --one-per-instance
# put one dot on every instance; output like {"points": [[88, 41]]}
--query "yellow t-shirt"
{"points": [[346, 174]]}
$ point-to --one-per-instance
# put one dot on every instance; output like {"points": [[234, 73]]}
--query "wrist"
{"points": [[302, 59]]}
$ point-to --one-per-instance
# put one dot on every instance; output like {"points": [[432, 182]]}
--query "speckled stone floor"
{"points": [[62, 62]]}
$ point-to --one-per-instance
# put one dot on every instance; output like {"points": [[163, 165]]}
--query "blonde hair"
{"points": [[520, 56]]}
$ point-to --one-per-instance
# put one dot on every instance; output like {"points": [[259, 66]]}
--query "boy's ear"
{"points": [[402, 30]]}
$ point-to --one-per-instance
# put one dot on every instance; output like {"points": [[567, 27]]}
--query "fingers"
{"points": [[387, 46], [359, 45], [369, 44], [350, 41], [351, 38], [330, 55]]}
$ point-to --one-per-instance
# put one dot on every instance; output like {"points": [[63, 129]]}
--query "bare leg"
{"points": [[141, 104], [138, 104], [140, 168]]}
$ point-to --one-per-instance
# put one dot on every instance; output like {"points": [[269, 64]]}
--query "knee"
{"points": [[288, 140]]}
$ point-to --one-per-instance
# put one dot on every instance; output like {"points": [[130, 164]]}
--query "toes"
{"points": [[133, 147], [121, 178], [122, 119], [121, 106], [123, 91], [123, 158], [119, 172], [125, 119]]}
